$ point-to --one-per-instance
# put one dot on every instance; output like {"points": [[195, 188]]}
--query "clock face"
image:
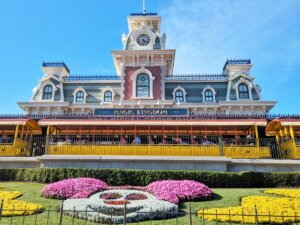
{"points": [[143, 39]]}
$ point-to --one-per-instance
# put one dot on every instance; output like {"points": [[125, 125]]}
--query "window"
{"points": [[80, 96], [142, 86], [179, 96], [208, 96], [47, 93], [243, 91], [107, 96]]}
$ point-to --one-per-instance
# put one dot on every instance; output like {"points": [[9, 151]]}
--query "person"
{"points": [[137, 140], [249, 140]]}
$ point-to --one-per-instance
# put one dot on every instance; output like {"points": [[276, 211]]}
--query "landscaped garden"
{"points": [[95, 201]]}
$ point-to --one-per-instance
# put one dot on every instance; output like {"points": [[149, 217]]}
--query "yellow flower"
{"points": [[294, 193], [276, 209], [12, 207]]}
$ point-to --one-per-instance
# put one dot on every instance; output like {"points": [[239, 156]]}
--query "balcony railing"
{"points": [[151, 145]]}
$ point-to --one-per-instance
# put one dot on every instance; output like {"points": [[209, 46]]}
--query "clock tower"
{"points": [[144, 62]]}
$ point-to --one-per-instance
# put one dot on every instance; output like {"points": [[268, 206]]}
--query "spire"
{"points": [[144, 7]]}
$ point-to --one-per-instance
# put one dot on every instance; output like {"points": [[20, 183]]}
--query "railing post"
{"points": [[220, 142], [47, 144], [190, 214], [1, 208], [61, 210], [255, 215], [125, 212]]}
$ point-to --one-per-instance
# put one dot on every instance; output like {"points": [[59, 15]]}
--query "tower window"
{"points": [[142, 86], [208, 96], [108, 96], [47, 92], [179, 96], [79, 96], [243, 91]]}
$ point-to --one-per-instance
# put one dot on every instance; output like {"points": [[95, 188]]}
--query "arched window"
{"points": [[80, 96], [179, 96], [208, 96], [47, 92], [243, 91], [142, 86], [108, 96]]}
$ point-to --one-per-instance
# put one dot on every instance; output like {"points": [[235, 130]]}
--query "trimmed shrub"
{"points": [[119, 177]]}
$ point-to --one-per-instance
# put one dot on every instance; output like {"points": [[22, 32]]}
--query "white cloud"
{"points": [[206, 33]]}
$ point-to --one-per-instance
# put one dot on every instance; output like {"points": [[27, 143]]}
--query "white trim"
{"points": [[179, 88], [249, 85], [208, 87], [75, 93], [151, 79]]}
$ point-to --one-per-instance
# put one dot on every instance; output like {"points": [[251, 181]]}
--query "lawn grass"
{"points": [[31, 193]]}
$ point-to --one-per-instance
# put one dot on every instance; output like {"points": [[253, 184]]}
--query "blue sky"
{"points": [[204, 34]]}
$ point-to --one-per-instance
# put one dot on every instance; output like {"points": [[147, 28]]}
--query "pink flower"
{"points": [[179, 190], [73, 188]]}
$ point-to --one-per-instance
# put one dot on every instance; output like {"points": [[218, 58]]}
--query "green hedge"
{"points": [[117, 177]]}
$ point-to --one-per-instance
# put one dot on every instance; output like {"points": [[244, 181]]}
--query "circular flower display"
{"points": [[97, 209], [73, 188]]}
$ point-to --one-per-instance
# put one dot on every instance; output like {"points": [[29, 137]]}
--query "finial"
{"points": [[144, 7]]}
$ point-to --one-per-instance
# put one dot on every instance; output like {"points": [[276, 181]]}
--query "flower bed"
{"points": [[294, 193], [117, 202], [73, 188], [10, 195], [12, 207], [137, 210], [175, 191], [110, 196], [268, 208], [135, 196]]}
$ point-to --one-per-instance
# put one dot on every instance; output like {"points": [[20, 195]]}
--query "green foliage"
{"points": [[117, 177]]}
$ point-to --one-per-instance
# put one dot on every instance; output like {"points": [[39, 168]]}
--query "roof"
{"points": [[55, 64], [92, 77], [12, 122], [237, 62], [275, 125], [144, 14], [142, 121]]}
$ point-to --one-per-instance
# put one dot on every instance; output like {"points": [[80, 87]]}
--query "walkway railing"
{"points": [[189, 216]]}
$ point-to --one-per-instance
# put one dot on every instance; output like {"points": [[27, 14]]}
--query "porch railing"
{"points": [[155, 145]]}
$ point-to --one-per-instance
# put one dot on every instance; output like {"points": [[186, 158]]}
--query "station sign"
{"points": [[141, 112]]}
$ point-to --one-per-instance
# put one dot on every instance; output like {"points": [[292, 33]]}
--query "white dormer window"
{"points": [[243, 91], [79, 95], [47, 92], [179, 94], [209, 94], [108, 96]]}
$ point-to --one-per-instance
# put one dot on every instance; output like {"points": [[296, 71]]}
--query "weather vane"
{"points": [[144, 6]]}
